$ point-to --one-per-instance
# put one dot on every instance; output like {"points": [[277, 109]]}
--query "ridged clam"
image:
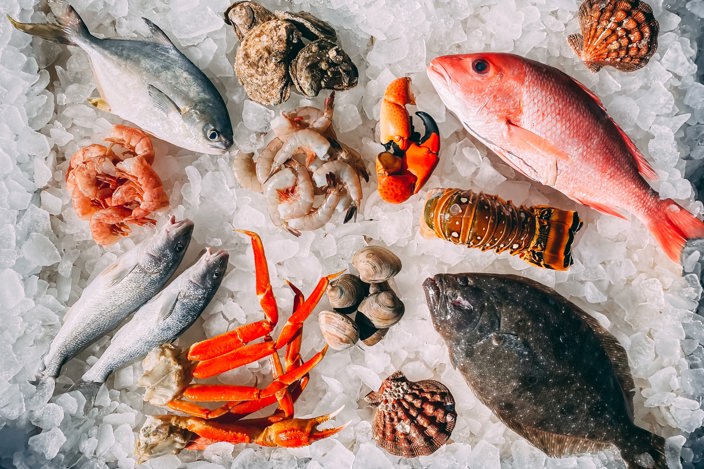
{"points": [[376, 264], [619, 33], [339, 331], [384, 309], [346, 292], [412, 418]]}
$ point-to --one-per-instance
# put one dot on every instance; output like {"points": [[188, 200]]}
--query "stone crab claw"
{"points": [[409, 159]]}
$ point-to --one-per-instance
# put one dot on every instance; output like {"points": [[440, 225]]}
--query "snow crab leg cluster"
{"points": [[228, 351], [113, 189], [409, 159], [304, 163]]}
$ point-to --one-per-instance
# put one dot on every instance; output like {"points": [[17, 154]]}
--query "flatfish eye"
{"points": [[455, 209]]}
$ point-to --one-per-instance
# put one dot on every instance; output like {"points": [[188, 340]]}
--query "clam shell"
{"points": [[619, 33], [339, 331], [346, 292], [368, 334], [384, 309], [412, 418], [376, 264]]}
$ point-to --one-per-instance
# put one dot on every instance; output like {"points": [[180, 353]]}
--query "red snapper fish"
{"points": [[552, 129]]}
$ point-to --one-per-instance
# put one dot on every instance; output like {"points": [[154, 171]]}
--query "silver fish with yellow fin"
{"points": [[546, 368], [149, 83]]}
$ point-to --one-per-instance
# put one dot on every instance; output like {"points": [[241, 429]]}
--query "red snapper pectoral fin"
{"points": [[525, 142]]}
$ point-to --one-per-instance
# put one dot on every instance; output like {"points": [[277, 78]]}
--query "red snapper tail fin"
{"points": [[672, 226]]}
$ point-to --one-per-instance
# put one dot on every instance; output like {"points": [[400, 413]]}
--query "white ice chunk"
{"points": [[369, 456], [48, 443], [48, 417], [39, 250], [256, 117], [11, 289]]}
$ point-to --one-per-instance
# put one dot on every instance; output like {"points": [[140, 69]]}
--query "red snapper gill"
{"points": [[554, 130]]}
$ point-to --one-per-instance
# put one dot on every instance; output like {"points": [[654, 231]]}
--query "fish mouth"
{"points": [[432, 293], [222, 146], [435, 70], [216, 255], [178, 228]]}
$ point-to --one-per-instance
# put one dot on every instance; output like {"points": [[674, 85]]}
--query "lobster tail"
{"points": [[540, 235]]}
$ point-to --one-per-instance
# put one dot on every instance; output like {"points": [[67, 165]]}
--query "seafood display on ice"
{"points": [[231, 350], [369, 296], [540, 235], [514, 94], [547, 369], [573, 340], [304, 162], [409, 159], [164, 317], [273, 57], [114, 189], [122, 287], [412, 418], [149, 83], [619, 33]]}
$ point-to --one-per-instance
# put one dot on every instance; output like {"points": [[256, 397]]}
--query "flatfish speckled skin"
{"points": [[546, 368]]}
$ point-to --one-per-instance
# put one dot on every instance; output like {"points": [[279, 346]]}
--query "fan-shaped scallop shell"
{"points": [[620, 33], [412, 418]]}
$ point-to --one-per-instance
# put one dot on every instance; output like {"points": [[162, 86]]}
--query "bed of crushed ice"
{"points": [[619, 275]]}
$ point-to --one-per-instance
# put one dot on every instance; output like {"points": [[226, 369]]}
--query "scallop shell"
{"points": [[384, 309], [368, 334], [346, 292], [339, 331], [620, 33], [376, 264], [412, 418]]}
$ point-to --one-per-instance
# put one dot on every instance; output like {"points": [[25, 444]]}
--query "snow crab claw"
{"points": [[170, 371], [409, 159]]}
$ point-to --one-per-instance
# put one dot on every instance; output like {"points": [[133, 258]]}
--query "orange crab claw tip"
{"points": [[335, 275]]}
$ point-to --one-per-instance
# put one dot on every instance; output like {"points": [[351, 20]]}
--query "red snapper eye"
{"points": [[480, 66]]}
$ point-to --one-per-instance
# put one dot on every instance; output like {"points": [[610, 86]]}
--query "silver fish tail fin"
{"points": [[69, 30], [645, 450]]}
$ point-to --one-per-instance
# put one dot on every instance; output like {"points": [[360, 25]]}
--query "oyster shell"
{"points": [[245, 16], [339, 331], [384, 309], [322, 65], [376, 264], [619, 33], [346, 292], [261, 63], [412, 418], [368, 334], [311, 27]]}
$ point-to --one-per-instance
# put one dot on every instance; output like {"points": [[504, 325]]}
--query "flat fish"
{"points": [[546, 368], [125, 285], [149, 83], [165, 317]]}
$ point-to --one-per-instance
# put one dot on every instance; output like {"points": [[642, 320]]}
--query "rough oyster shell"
{"points": [[322, 64], [310, 26], [619, 33], [412, 418], [245, 16], [262, 58]]}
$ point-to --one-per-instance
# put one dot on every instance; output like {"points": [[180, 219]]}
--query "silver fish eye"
{"points": [[213, 135]]}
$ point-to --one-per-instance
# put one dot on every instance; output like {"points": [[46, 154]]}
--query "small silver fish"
{"points": [[132, 280], [149, 83], [165, 317]]}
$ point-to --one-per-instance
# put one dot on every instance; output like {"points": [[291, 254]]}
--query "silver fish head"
{"points": [[210, 269], [166, 249], [212, 131], [461, 304]]}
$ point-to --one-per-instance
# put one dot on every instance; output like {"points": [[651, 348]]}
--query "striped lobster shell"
{"points": [[620, 33], [539, 235]]}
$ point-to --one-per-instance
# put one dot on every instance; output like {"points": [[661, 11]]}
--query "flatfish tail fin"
{"points": [[69, 30], [646, 450]]}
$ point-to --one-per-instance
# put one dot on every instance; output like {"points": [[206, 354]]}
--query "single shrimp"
{"points": [[134, 141], [318, 217], [266, 159], [306, 140], [344, 175], [145, 187], [245, 170], [306, 117], [109, 225], [290, 191]]}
